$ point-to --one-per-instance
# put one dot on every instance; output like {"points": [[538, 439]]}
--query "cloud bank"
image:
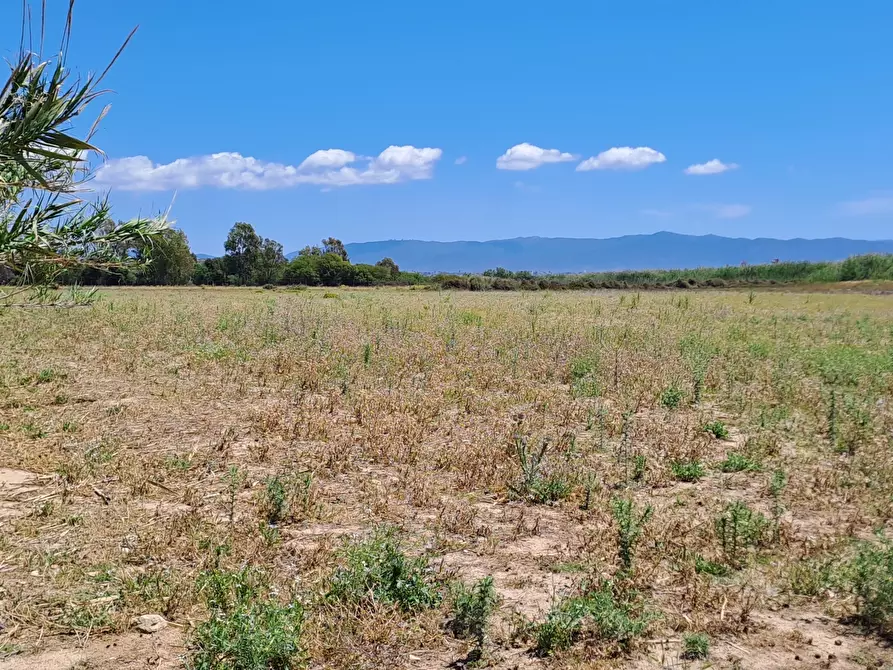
{"points": [[230, 170]]}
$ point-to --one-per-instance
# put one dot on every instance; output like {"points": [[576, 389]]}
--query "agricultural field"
{"points": [[396, 478]]}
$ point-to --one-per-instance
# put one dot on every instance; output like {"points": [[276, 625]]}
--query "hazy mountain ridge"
{"points": [[629, 252]]}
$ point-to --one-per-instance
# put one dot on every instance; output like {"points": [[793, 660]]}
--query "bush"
{"points": [[672, 397], [473, 607], [739, 529], [377, 569], [248, 628], [615, 616], [872, 576]]}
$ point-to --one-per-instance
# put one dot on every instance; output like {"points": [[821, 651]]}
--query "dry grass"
{"points": [[138, 439]]}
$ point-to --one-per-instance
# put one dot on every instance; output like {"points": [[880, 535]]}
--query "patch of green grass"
{"points": [[378, 569], [287, 497], [48, 375], [736, 462], [4, 427], [707, 567], [69, 427], [614, 615], [248, 628], [717, 429], [813, 576], [687, 471], [872, 578], [695, 646], [672, 397]]}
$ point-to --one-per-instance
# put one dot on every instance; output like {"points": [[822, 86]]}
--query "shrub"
{"points": [[629, 528], [695, 646], [687, 471], [248, 628], [872, 577], [534, 484], [615, 616], [473, 607], [672, 397], [739, 528], [377, 569], [717, 429], [287, 497]]}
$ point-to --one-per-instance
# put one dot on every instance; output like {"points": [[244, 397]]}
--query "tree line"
{"points": [[249, 260]]}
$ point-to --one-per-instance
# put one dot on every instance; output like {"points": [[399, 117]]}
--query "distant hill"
{"points": [[629, 252]]}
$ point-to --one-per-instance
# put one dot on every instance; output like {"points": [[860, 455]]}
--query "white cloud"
{"points": [[879, 204], [623, 158], [330, 167], [714, 166], [732, 211], [526, 156], [461, 160], [328, 158]]}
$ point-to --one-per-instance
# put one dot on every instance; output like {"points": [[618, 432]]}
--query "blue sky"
{"points": [[794, 98]]}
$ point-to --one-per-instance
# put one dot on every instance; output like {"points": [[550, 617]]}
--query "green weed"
{"points": [[687, 471], [248, 628], [379, 570]]}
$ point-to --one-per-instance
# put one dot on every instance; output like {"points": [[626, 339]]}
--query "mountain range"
{"points": [[629, 252]]}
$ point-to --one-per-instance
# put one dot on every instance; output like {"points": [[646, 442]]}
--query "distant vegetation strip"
{"points": [[254, 261]]}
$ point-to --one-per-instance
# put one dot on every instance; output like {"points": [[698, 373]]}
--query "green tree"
{"points": [[332, 245], [269, 263], [389, 264], [334, 270], [302, 270], [310, 251], [172, 262], [45, 228], [242, 246]]}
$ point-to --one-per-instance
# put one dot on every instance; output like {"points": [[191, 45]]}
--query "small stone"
{"points": [[832, 657], [796, 658], [838, 642], [150, 623], [414, 658]]}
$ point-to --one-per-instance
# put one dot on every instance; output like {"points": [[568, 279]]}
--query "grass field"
{"points": [[412, 478]]}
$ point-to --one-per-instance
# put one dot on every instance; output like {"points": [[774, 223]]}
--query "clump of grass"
{"points": [[736, 462], [813, 576], [534, 484], [582, 375], [672, 397], [247, 628], [377, 569], [287, 497], [717, 429], [872, 579], [472, 608], [613, 614], [706, 567], [695, 646], [687, 471]]}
